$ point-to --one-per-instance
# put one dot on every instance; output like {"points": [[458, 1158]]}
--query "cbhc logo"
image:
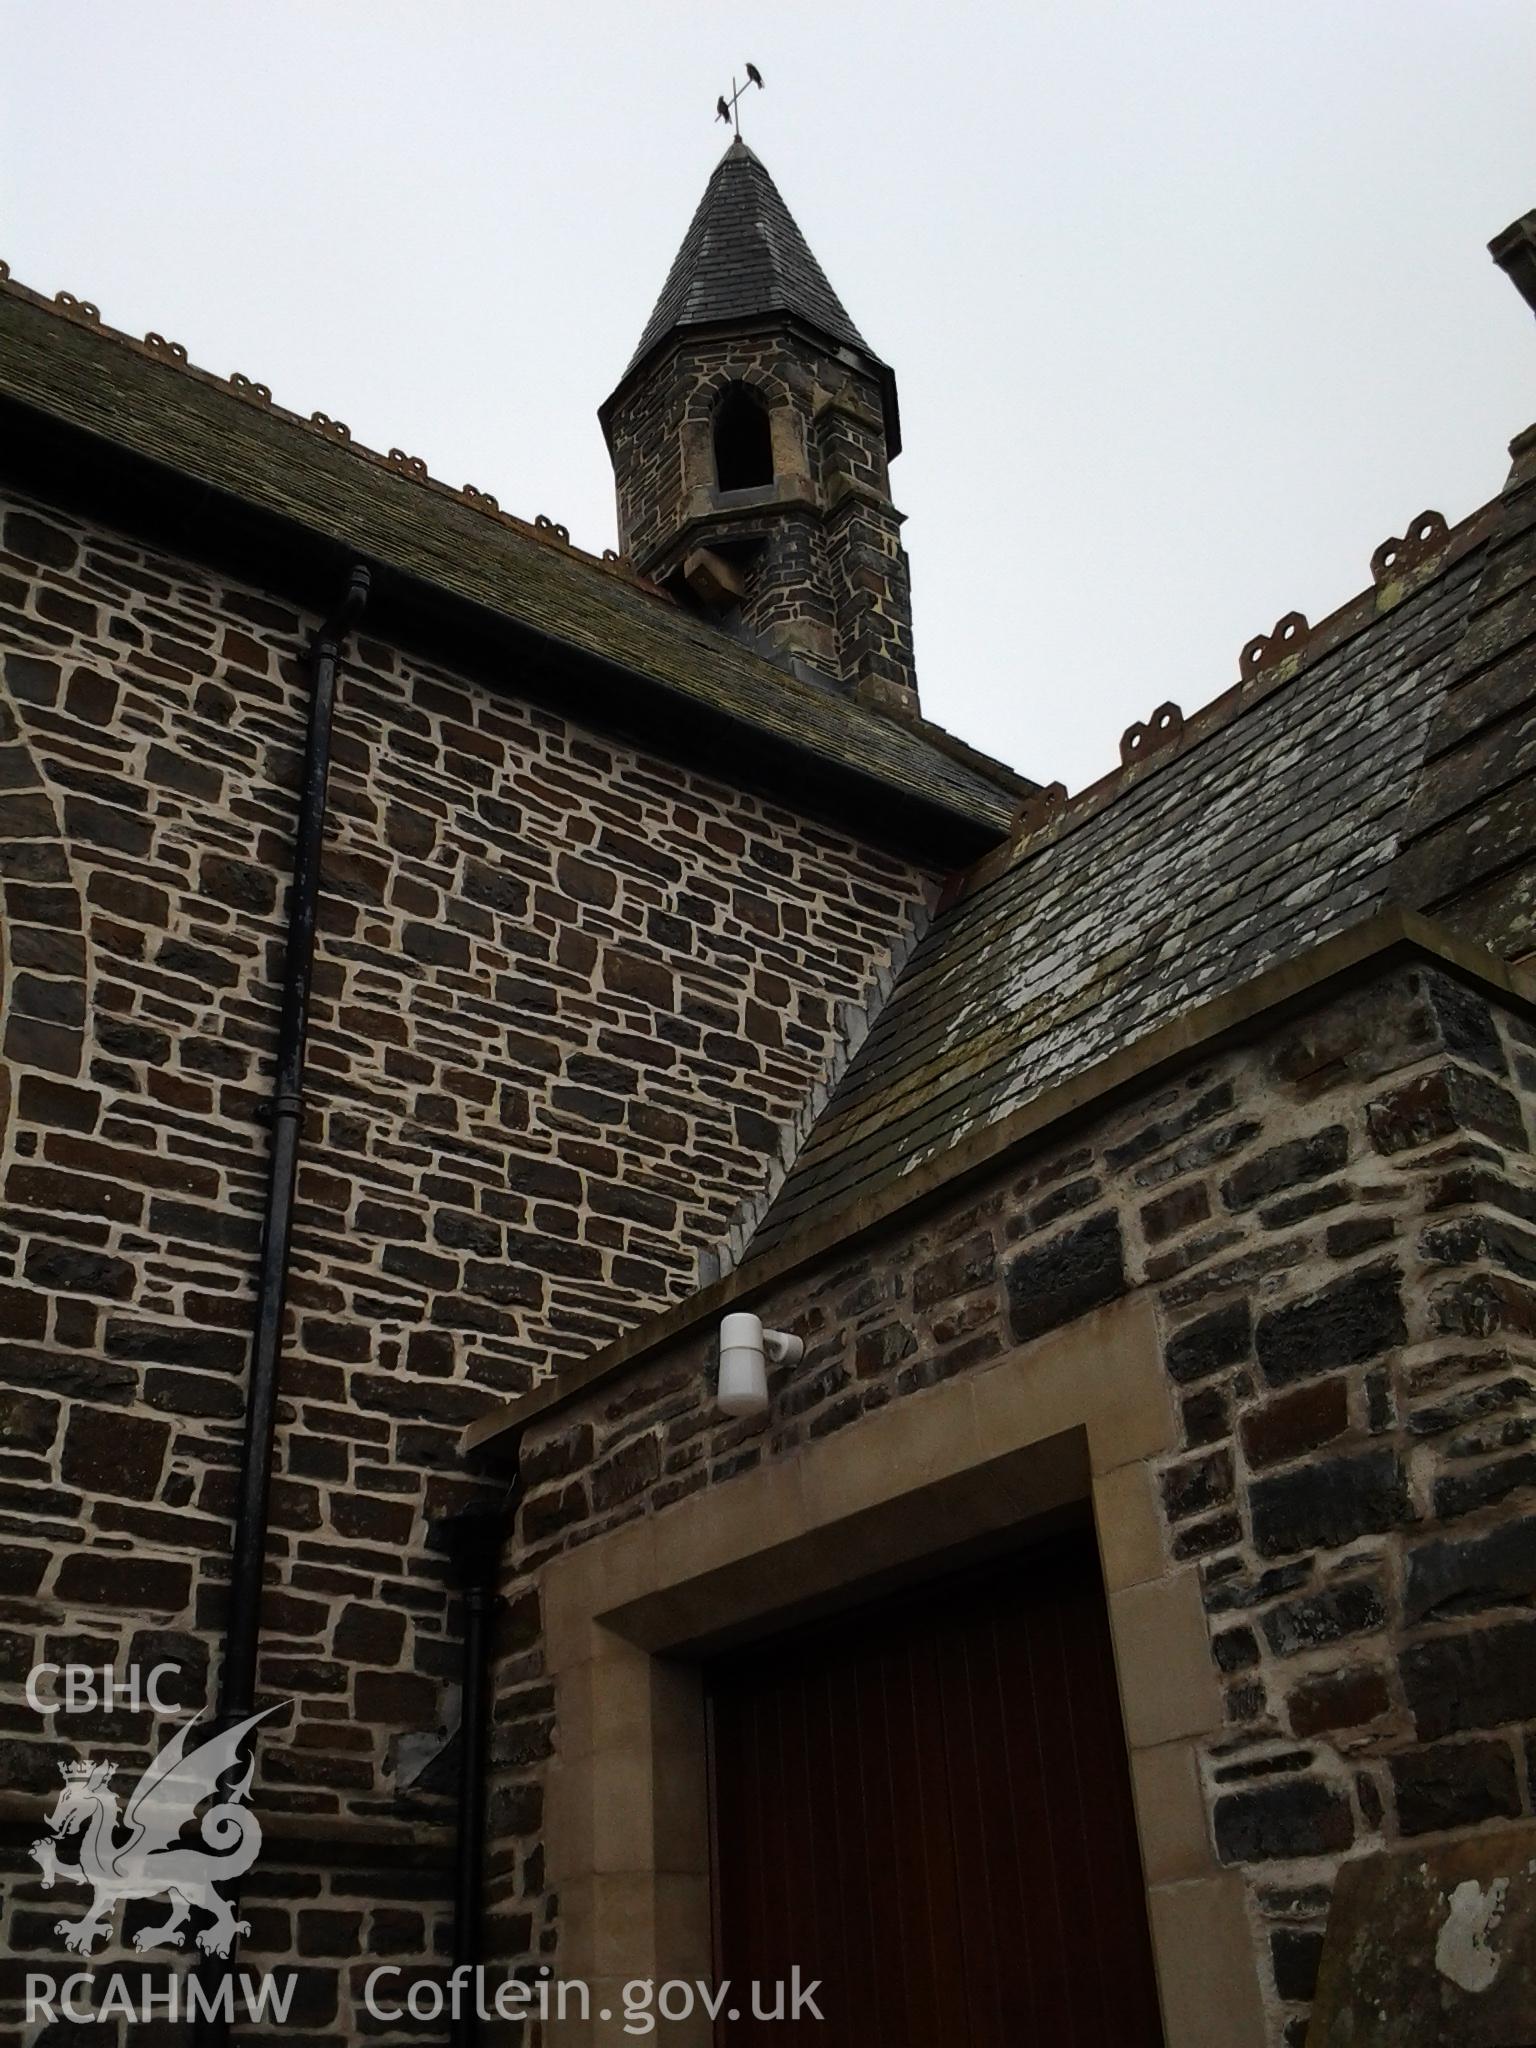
{"points": [[88, 1687]]}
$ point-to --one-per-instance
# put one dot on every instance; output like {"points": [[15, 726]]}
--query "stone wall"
{"points": [[569, 1001], [1334, 1227]]}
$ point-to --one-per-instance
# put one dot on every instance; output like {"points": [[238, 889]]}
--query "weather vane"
{"points": [[726, 109]]}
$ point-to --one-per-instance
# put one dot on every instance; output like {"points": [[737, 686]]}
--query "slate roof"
{"points": [[743, 256], [224, 444], [1271, 825]]}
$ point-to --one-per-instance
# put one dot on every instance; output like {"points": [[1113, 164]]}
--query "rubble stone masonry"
{"points": [[825, 572], [569, 1000], [1337, 1226]]}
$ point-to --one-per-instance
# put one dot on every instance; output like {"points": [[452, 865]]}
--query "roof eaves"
{"points": [[1234, 1016], [665, 647], [172, 356]]}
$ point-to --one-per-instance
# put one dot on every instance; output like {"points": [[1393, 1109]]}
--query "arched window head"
{"points": [[743, 443]]}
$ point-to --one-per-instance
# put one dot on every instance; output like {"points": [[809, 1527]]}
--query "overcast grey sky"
{"points": [[1189, 303]]}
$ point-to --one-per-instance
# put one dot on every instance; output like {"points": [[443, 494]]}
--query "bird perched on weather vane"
{"points": [[727, 109]]}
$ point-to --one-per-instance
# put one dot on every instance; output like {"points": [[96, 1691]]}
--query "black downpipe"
{"points": [[237, 1674], [242, 1627], [474, 1539]]}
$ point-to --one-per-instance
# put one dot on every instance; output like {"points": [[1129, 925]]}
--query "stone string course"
{"points": [[570, 1002], [1338, 1227]]}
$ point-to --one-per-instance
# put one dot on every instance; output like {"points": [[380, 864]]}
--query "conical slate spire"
{"points": [[744, 256], [752, 437]]}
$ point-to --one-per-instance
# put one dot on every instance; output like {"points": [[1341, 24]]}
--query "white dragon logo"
{"points": [[150, 1860]]}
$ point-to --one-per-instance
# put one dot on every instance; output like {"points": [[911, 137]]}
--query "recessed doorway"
{"points": [[926, 1805]]}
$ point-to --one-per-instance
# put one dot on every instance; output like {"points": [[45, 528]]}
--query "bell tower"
{"points": [[751, 438]]}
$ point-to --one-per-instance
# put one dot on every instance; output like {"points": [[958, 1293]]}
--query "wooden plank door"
{"points": [[926, 1805]]}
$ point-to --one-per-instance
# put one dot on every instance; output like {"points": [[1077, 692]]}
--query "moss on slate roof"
{"points": [[1274, 822], [62, 364]]}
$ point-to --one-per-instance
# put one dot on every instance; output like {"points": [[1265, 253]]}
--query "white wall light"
{"points": [[745, 1348]]}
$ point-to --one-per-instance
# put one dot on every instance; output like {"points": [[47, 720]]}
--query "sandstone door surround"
{"points": [[1072, 1419]]}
